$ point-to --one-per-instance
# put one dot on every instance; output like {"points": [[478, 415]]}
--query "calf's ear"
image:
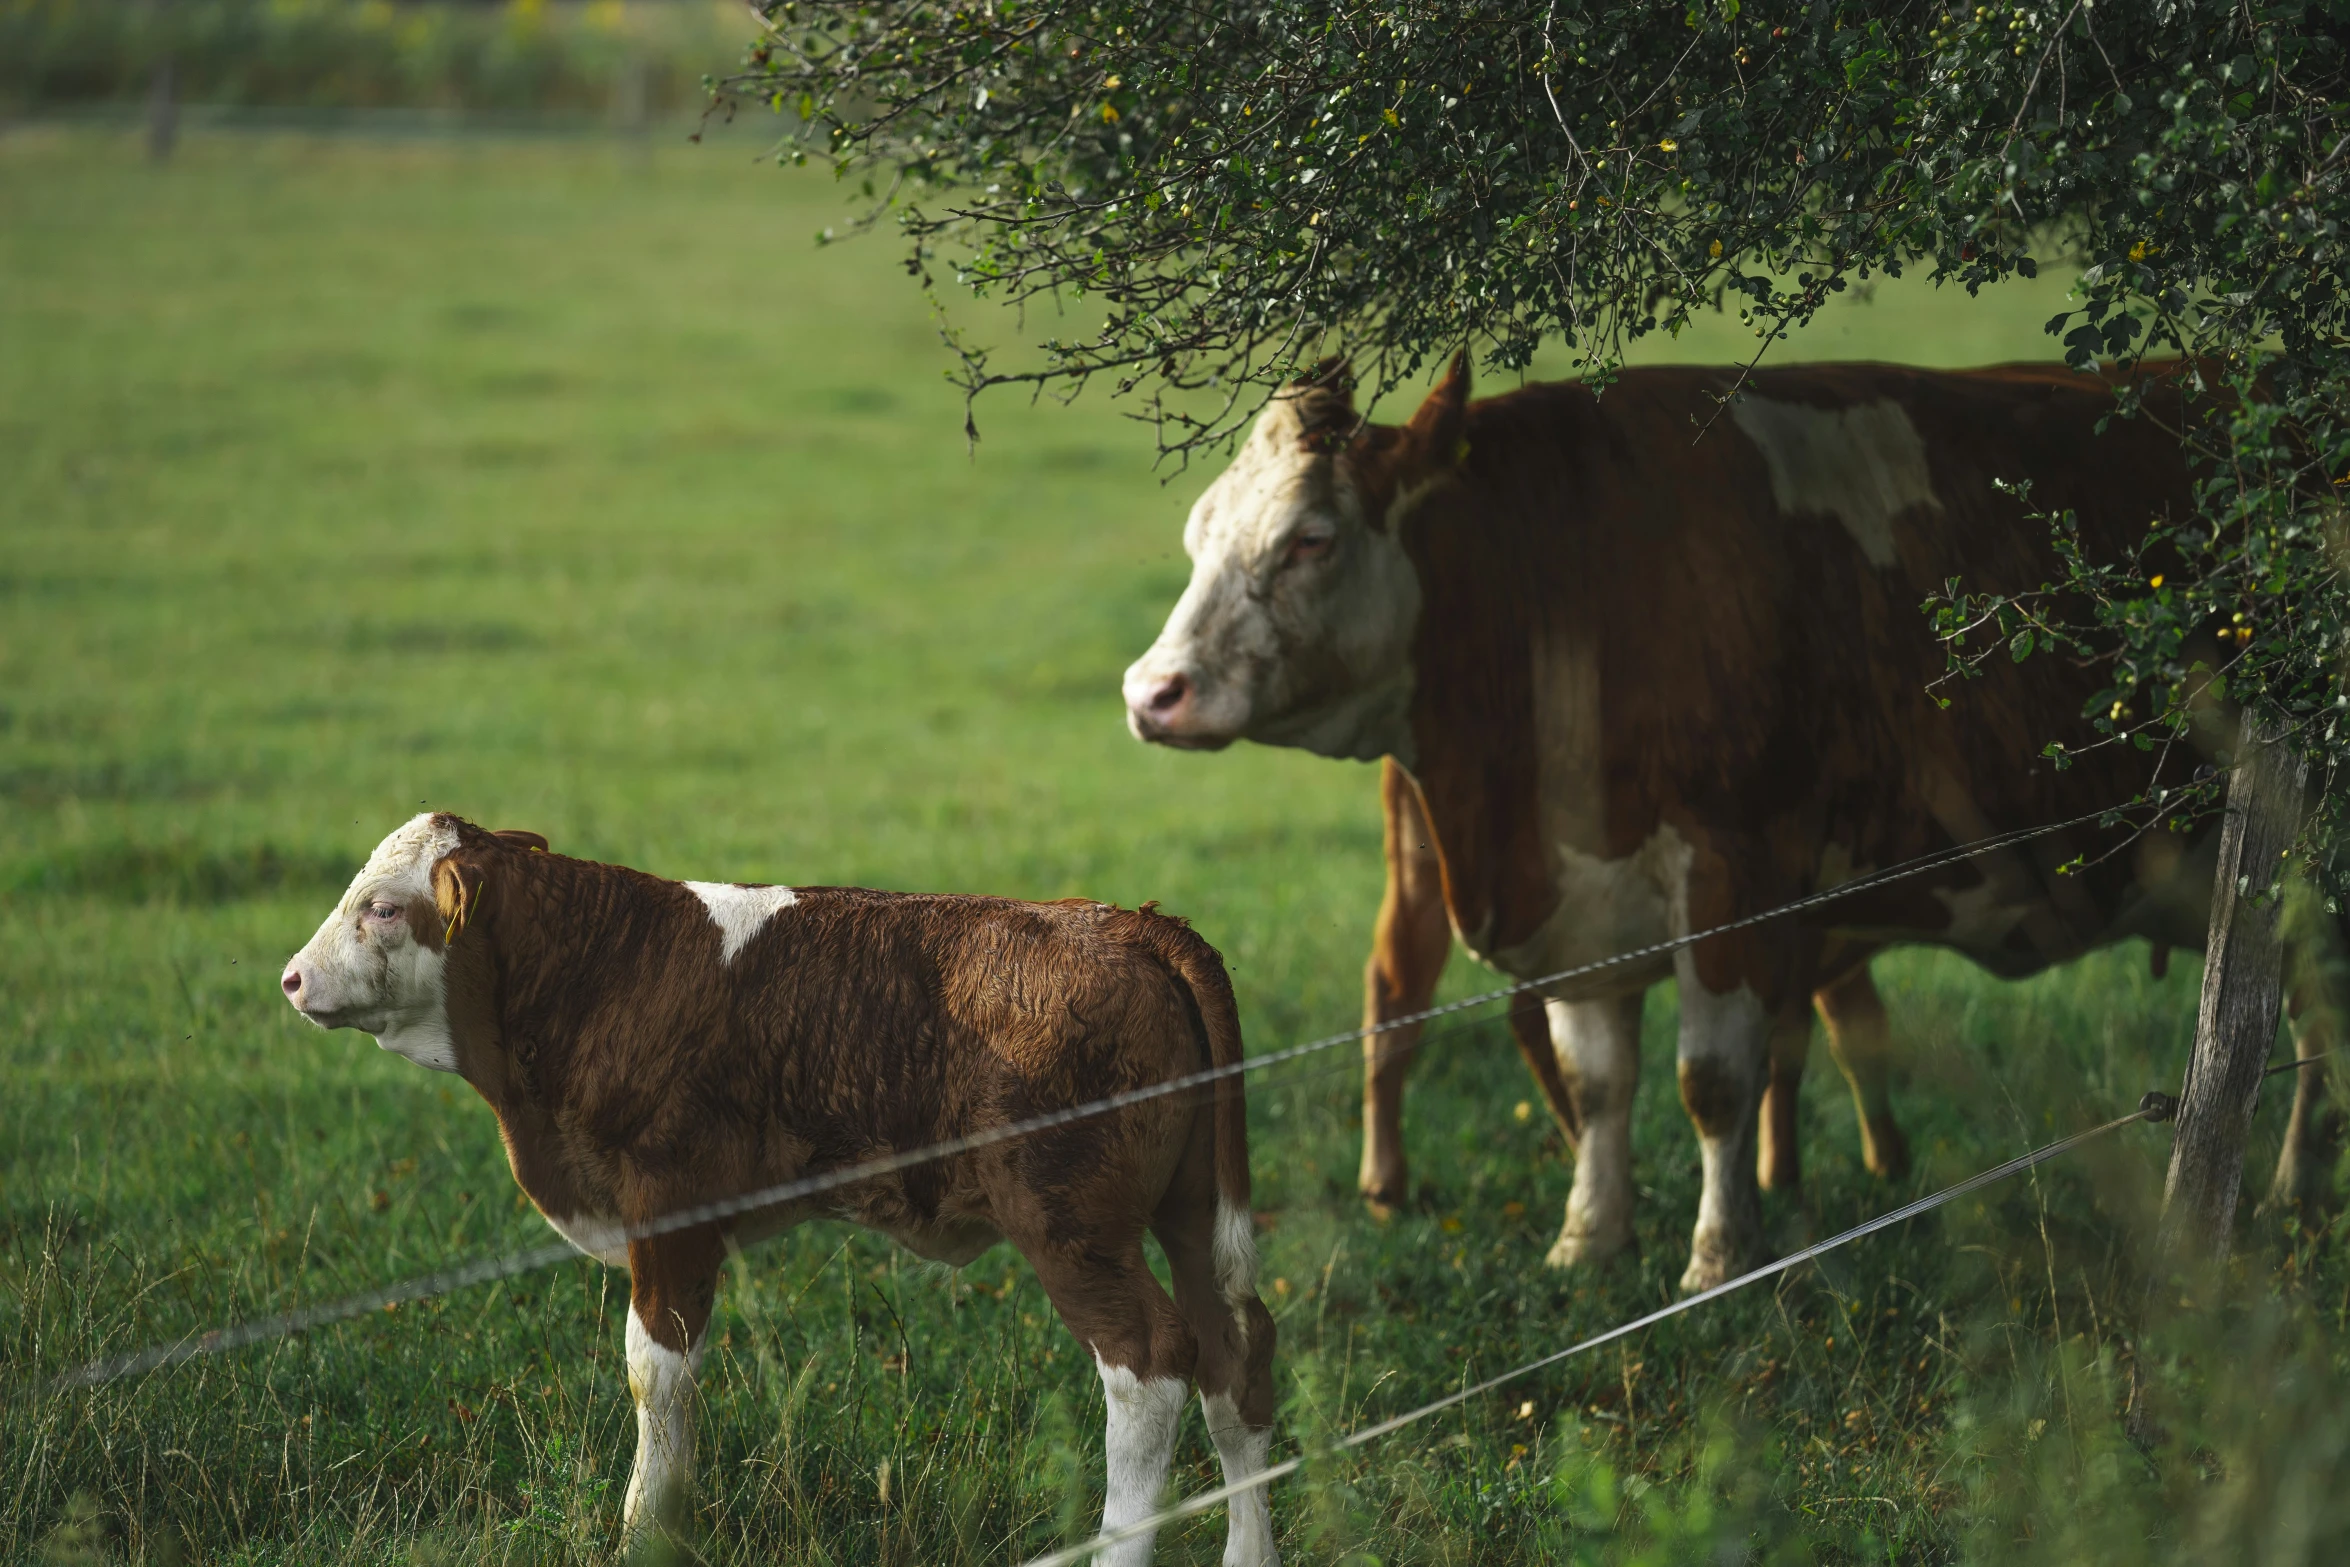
{"points": [[521, 839], [456, 895]]}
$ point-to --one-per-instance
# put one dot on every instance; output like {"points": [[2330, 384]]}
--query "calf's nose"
{"points": [[292, 981]]}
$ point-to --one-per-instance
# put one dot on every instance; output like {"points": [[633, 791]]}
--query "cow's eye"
{"points": [[1312, 545], [386, 912]]}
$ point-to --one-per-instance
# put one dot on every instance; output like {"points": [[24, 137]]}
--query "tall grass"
{"points": [[582, 493]]}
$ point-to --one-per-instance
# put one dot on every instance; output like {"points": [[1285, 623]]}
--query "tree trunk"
{"points": [[2242, 988]]}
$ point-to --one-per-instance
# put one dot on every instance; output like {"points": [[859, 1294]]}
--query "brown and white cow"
{"points": [[650, 1046], [1647, 683], [1412, 940]]}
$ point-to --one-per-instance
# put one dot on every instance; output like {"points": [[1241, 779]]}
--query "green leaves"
{"points": [[1401, 179]]}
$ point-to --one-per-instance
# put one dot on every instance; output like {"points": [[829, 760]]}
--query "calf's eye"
{"points": [[384, 911], [1310, 546]]}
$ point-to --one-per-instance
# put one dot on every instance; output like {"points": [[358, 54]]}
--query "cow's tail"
{"points": [[1201, 969]]}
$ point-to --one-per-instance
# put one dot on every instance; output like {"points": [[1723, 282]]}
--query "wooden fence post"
{"points": [[2242, 988], [2235, 1027]]}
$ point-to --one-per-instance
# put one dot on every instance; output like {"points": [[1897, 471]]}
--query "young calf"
{"points": [[652, 1045]]}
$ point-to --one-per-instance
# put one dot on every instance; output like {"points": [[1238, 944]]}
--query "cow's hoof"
{"points": [[1385, 1195], [1779, 1171], [1588, 1249], [1717, 1263], [2295, 1192], [1885, 1149], [1719, 1258]]}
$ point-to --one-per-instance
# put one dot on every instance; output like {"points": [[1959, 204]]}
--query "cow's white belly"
{"points": [[1606, 908]]}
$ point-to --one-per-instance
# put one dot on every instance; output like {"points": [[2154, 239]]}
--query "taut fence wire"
{"points": [[255, 1330], [2154, 1107]]}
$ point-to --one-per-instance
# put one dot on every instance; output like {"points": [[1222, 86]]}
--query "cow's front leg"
{"points": [[1724, 1045], [1408, 949], [672, 1281], [1598, 1049], [1862, 1041]]}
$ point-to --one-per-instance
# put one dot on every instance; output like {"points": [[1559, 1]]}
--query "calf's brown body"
{"points": [[651, 1046]]}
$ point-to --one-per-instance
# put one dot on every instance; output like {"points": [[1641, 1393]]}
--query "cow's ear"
{"points": [[1325, 401], [521, 838], [456, 895], [1438, 430]]}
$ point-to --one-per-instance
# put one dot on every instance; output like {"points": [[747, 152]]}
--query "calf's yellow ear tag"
{"points": [[456, 892]]}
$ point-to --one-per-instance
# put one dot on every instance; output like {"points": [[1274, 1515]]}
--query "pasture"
{"points": [[577, 489]]}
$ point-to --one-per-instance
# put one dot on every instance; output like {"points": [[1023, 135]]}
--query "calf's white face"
{"points": [[1297, 626], [377, 964]]}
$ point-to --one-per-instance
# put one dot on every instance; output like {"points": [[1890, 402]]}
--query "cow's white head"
{"points": [[1297, 626], [379, 962]]}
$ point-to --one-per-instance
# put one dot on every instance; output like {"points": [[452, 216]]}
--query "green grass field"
{"points": [[580, 491]]}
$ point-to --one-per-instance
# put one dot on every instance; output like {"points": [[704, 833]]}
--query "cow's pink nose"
{"points": [[1167, 699], [293, 981]]}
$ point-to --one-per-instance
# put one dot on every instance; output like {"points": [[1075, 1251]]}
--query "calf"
{"points": [[650, 1046]]}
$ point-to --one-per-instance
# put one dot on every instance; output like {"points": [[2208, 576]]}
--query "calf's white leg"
{"points": [[1242, 1449], [1598, 1049], [1140, 1449], [661, 1380], [1725, 1042]]}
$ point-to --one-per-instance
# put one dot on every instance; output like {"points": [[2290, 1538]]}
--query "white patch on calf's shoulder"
{"points": [[739, 912], [1234, 1250], [1863, 465]]}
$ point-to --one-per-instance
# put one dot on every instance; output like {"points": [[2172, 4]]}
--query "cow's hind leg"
{"points": [[1598, 1046], [2313, 1134], [1145, 1351], [1215, 1287], [1861, 1040], [673, 1279], [1408, 950], [1778, 1159]]}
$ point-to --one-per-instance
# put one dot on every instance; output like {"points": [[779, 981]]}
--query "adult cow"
{"points": [[1649, 682], [1413, 940]]}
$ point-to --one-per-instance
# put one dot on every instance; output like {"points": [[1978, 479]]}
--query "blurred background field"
{"points": [[571, 485], [574, 59]]}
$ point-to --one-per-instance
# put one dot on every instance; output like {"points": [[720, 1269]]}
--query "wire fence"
{"points": [[233, 1336], [2154, 1107]]}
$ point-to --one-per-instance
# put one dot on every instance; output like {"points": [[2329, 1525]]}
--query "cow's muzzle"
{"points": [[1164, 710]]}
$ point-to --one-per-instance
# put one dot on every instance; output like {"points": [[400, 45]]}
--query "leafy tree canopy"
{"points": [[1235, 189]]}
